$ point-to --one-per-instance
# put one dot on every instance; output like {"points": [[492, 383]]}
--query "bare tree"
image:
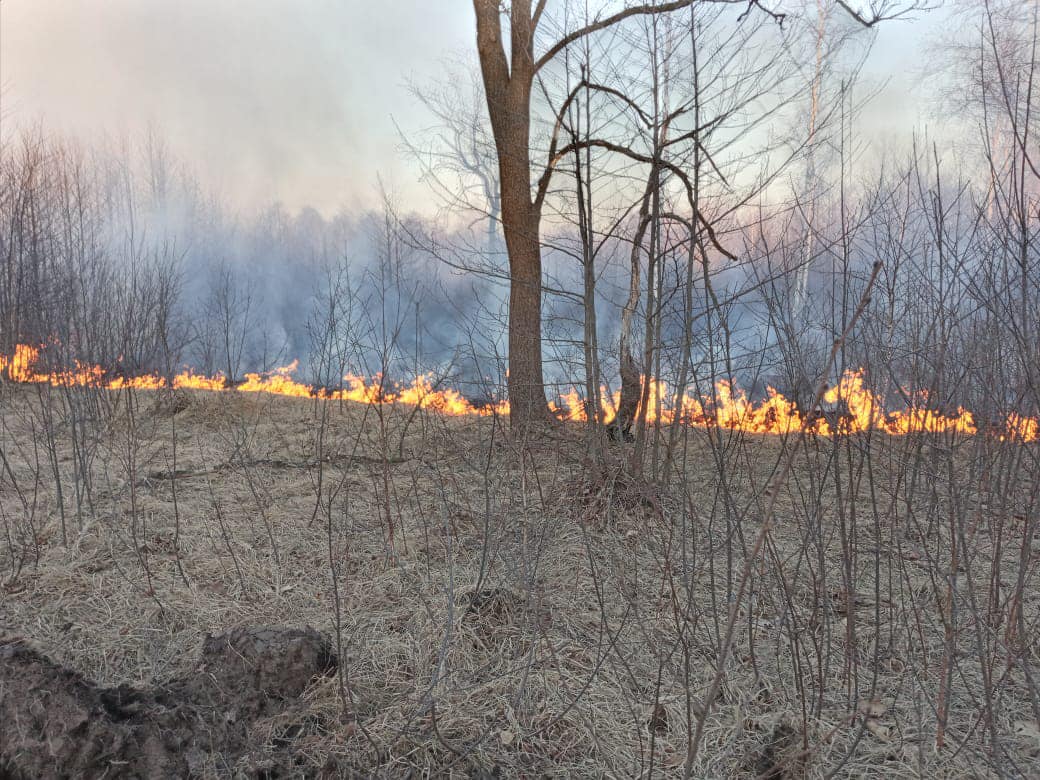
{"points": [[508, 83], [509, 79], [459, 162], [230, 320]]}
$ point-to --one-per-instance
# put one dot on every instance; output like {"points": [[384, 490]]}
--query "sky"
{"points": [[273, 100]]}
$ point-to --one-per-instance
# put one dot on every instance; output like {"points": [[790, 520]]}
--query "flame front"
{"points": [[856, 407], [22, 367]]}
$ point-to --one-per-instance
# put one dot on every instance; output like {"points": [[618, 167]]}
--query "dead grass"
{"points": [[501, 614]]}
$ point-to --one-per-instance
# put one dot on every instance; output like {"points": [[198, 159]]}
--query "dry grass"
{"points": [[499, 612]]}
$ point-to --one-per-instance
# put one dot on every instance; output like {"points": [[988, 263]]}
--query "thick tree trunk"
{"points": [[507, 86], [527, 402]]}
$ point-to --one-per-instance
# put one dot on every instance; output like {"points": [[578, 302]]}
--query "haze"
{"points": [[277, 101]]}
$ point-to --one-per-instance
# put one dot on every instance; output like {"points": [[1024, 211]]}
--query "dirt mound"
{"points": [[55, 723]]}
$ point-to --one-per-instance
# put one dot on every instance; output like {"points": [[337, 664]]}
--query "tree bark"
{"points": [[631, 379], [631, 376], [507, 86]]}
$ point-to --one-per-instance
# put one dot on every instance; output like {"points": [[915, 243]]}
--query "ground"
{"points": [[508, 609]]}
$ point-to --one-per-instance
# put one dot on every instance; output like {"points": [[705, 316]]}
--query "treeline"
{"points": [[117, 257]]}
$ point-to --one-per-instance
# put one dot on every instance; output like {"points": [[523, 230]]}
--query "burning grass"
{"points": [[850, 406], [502, 611]]}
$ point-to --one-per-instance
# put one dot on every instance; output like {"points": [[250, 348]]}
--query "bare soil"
{"points": [[56, 723]]}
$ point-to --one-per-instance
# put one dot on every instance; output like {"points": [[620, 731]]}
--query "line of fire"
{"points": [[850, 406]]}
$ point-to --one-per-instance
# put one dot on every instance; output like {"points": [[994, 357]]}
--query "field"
{"points": [[500, 608]]}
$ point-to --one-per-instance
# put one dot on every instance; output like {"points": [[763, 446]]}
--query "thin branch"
{"points": [[636, 10]]}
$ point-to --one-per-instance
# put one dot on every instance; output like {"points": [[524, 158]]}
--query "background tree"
{"points": [[459, 160]]}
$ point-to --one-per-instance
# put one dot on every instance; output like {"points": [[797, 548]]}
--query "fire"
{"points": [[22, 367], [18, 367], [855, 407]]}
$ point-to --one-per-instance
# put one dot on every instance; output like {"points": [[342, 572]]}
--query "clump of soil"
{"points": [[492, 605], [56, 723], [600, 492], [171, 401], [493, 615], [779, 758]]}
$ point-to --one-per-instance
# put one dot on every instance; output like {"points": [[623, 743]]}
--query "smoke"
{"points": [[270, 101], [283, 117], [268, 274]]}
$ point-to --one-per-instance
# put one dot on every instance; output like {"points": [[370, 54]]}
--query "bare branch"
{"points": [[602, 24], [882, 11]]}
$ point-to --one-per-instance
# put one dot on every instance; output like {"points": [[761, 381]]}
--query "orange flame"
{"points": [[858, 408], [17, 368], [22, 367]]}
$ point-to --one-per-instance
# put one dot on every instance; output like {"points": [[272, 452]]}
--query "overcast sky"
{"points": [[277, 100]]}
